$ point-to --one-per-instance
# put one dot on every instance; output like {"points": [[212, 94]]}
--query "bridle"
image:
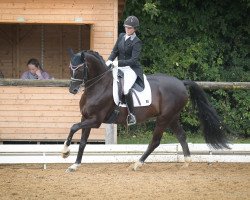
{"points": [[85, 80], [74, 68]]}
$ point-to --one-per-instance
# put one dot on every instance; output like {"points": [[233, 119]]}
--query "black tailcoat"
{"points": [[128, 53]]}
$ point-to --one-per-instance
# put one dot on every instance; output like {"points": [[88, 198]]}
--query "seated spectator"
{"points": [[35, 71]]}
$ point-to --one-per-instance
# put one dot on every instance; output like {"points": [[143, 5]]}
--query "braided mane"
{"points": [[96, 54]]}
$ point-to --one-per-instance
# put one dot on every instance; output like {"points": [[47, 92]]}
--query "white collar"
{"points": [[131, 36]]}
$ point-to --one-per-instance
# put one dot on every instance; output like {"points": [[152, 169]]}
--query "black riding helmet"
{"points": [[131, 21]]}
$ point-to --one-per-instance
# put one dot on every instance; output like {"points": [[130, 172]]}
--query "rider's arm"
{"points": [[115, 50]]}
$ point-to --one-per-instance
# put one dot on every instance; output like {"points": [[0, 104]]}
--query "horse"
{"points": [[169, 96]]}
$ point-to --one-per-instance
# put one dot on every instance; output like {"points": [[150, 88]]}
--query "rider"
{"points": [[128, 48]]}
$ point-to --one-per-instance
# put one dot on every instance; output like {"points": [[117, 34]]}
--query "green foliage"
{"points": [[235, 107], [140, 134], [199, 40], [193, 39]]}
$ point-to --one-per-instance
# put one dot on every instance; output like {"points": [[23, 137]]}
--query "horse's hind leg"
{"points": [[176, 127], [155, 142]]}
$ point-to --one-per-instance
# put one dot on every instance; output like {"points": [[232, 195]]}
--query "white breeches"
{"points": [[129, 78]]}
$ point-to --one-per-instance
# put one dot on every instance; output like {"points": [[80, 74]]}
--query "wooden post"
{"points": [[111, 134], [42, 46], [61, 50], [17, 68], [92, 29]]}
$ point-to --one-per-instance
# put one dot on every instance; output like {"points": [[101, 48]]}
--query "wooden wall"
{"points": [[40, 114]]}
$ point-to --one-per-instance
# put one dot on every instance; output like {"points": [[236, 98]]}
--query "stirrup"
{"points": [[131, 120]]}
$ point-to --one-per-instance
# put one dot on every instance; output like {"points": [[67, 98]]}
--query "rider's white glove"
{"points": [[109, 62], [115, 63]]}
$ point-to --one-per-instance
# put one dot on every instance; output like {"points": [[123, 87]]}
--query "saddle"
{"points": [[141, 96]]}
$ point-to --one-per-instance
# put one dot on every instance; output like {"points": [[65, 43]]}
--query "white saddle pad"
{"points": [[145, 97]]}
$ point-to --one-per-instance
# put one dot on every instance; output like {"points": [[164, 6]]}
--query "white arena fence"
{"points": [[100, 153]]}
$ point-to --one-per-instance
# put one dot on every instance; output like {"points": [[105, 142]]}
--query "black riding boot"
{"points": [[129, 101]]}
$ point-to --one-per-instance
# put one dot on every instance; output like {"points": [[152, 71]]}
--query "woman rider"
{"points": [[127, 49]]}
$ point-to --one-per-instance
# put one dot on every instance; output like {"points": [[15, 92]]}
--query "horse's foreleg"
{"points": [[85, 123], [181, 136], [155, 142], [83, 142], [66, 151]]}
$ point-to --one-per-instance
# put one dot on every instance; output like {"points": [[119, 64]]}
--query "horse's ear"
{"points": [[71, 53], [83, 56]]}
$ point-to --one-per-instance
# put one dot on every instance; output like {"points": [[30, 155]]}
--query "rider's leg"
{"points": [[129, 101], [129, 80]]}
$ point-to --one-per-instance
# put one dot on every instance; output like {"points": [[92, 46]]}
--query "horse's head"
{"points": [[85, 67], [78, 71]]}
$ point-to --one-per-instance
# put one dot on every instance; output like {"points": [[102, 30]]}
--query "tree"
{"points": [[199, 40]]}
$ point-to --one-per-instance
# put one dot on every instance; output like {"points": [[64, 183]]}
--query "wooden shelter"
{"points": [[45, 30]]}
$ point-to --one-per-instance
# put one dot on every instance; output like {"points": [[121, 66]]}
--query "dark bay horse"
{"points": [[169, 96]]}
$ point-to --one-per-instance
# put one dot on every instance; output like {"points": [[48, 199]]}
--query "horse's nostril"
{"points": [[73, 91]]}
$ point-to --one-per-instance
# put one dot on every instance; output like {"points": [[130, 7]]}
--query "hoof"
{"points": [[72, 168], [66, 151], [187, 162], [69, 170], [65, 154], [135, 166], [185, 165]]}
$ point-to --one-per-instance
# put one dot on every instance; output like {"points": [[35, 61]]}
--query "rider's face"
{"points": [[129, 30]]}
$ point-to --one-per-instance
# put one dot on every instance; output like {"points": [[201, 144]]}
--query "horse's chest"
{"points": [[89, 108]]}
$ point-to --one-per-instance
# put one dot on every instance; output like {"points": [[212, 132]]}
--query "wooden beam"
{"points": [[35, 83], [224, 85], [65, 83]]}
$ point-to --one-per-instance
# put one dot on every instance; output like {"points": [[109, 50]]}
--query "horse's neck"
{"points": [[101, 93], [102, 82], [96, 65], [100, 74]]}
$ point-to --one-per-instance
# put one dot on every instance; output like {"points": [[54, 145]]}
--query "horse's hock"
{"points": [[40, 114]]}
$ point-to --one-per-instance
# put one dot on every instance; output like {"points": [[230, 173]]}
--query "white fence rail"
{"points": [[14, 154]]}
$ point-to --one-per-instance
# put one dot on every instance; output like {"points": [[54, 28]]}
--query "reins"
{"points": [[97, 77]]}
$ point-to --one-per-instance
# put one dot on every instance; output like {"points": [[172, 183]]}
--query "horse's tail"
{"points": [[213, 127]]}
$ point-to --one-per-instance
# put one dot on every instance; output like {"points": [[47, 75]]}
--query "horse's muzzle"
{"points": [[73, 89]]}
